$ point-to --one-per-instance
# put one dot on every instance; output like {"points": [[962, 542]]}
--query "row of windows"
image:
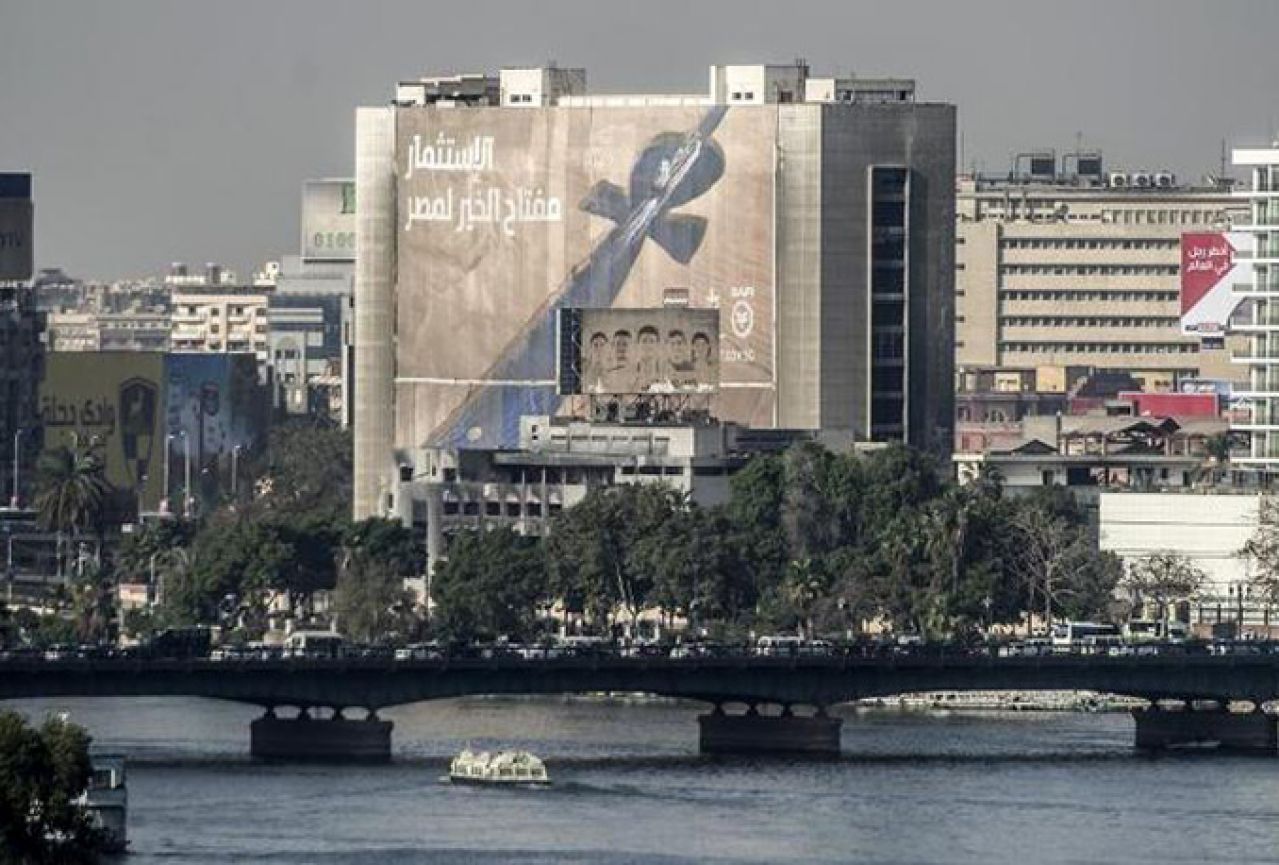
{"points": [[1090, 321], [1101, 347], [1145, 295], [1090, 269], [1163, 217], [1075, 243], [1054, 212], [215, 311]]}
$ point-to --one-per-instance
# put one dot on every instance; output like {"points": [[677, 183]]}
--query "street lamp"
{"points": [[235, 466], [186, 449], [15, 501]]}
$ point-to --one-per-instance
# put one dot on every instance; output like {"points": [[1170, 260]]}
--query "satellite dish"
{"points": [[474, 434]]}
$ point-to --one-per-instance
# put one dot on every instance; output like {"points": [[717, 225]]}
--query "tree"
{"points": [[94, 604], [600, 561], [387, 541], [491, 585], [698, 568], [305, 471], [1262, 551], [140, 550], [42, 773], [1053, 554], [370, 600], [72, 492], [1162, 578]]}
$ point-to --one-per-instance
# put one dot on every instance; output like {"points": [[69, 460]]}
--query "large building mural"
{"points": [[129, 404], [506, 217]]}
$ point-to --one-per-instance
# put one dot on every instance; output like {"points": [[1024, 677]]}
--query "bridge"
{"points": [[759, 703]]}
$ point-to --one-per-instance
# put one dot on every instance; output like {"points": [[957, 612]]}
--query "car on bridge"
{"points": [[791, 646]]}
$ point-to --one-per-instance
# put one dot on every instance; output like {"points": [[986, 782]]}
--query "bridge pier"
{"points": [[329, 740], [754, 733], [1253, 732]]}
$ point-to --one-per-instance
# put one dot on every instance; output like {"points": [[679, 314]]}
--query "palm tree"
{"points": [[72, 492]]}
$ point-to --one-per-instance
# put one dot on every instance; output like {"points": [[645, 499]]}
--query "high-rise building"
{"points": [[1262, 328], [816, 216], [21, 367], [1073, 267]]}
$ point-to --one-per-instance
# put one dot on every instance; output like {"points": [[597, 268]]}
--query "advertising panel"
{"points": [[328, 220], [111, 400], [506, 217], [16, 218], [1210, 266], [644, 351], [215, 402]]}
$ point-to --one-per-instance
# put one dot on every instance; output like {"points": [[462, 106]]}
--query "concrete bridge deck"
{"points": [[814, 681], [818, 682]]}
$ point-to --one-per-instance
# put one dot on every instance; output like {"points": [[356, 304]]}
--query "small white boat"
{"points": [[500, 768]]}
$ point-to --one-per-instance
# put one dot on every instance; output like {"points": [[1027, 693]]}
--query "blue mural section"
{"points": [[213, 405]]}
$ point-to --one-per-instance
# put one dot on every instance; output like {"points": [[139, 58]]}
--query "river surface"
{"points": [[910, 787]]}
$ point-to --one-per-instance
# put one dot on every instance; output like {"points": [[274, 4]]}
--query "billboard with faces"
{"points": [[640, 351]]}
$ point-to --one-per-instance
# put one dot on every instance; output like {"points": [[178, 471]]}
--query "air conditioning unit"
{"points": [[1117, 180], [1165, 180], [1139, 179]]}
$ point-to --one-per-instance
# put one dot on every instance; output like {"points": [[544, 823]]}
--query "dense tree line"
{"points": [[286, 534], [810, 540]]}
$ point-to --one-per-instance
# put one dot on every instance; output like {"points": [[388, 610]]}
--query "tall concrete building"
{"points": [[21, 368], [815, 214], [1261, 357], [1073, 266]]}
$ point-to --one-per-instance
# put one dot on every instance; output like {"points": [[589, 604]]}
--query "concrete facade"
{"points": [[21, 369], [1260, 332], [219, 320], [861, 240], [560, 460], [1081, 273], [1208, 528], [310, 314]]}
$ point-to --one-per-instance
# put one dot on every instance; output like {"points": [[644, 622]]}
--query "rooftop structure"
{"points": [[559, 460], [1090, 454]]}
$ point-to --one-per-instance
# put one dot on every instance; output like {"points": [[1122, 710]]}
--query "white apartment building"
{"points": [[220, 320], [1262, 327]]}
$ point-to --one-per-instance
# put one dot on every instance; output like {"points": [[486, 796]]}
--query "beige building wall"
{"points": [[219, 322], [1063, 275]]}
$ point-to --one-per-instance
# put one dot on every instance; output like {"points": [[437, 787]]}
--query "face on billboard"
{"points": [[506, 216]]}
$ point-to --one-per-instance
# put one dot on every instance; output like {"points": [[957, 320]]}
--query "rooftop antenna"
{"points": [[1221, 174]]}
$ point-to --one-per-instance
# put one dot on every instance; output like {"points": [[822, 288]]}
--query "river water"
{"points": [[910, 787]]}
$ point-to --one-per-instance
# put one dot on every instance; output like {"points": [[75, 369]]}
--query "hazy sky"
{"points": [[162, 131]]}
